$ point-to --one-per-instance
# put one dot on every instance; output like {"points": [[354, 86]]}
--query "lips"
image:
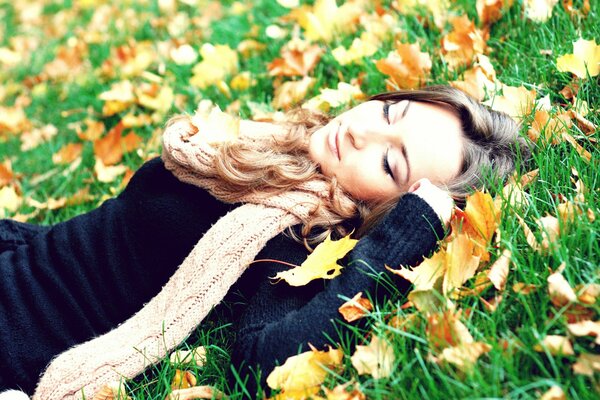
{"points": [[333, 142]]}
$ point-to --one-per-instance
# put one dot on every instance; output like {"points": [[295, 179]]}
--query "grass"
{"points": [[522, 52]]}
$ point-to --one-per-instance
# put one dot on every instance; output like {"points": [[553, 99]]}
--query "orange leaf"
{"points": [[298, 58], [446, 330], [183, 380], [355, 308], [68, 153], [291, 93], [109, 148], [499, 270], [407, 67], [463, 43]]}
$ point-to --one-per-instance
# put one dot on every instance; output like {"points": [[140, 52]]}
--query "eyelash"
{"points": [[386, 164], [386, 112]]}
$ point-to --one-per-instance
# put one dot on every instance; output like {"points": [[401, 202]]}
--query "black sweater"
{"points": [[82, 277]]}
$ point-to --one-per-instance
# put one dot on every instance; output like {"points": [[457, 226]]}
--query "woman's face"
{"points": [[377, 154]]}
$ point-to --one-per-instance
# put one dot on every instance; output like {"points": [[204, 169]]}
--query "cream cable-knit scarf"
{"points": [[199, 283]]}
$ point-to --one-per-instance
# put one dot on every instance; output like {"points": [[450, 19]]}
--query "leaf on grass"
{"points": [[93, 131], [321, 263], [108, 173], [585, 328], [588, 294], [304, 371], [465, 355], [119, 98], [340, 392], [490, 11], [549, 230], [183, 380], [196, 392], [461, 262], [13, 120], [463, 43], [561, 293], [6, 172], [155, 97], [498, 272], [197, 356], [325, 19], [585, 56], [9, 200], [554, 393], [298, 58], [345, 94], [539, 10], [218, 61], [555, 345], [68, 153], [355, 308], [587, 364], [109, 148], [524, 288], [376, 359], [358, 50], [291, 93], [551, 128], [34, 137], [425, 275], [479, 79], [515, 101], [112, 391], [446, 330], [439, 9], [183, 54], [429, 301], [407, 66]]}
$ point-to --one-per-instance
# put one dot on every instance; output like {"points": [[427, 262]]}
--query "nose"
{"points": [[362, 134]]}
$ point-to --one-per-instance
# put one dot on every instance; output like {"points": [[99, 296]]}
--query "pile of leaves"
{"points": [[508, 306]]}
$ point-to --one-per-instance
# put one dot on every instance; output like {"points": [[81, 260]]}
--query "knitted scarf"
{"points": [[199, 283]]}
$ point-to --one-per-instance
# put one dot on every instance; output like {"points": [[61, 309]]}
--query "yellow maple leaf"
{"points": [[359, 49], [425, 275], [304, 371], [290, 93], [329, 98], [586, 54], [325, 19], [461, 262], [218, 61], [321, 263], [515, 101], [376, 359]]}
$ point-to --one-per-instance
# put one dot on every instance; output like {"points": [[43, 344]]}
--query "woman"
{"points": [[68, 283]]}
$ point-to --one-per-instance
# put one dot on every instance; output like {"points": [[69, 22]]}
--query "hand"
{"points": [[437, 198]]}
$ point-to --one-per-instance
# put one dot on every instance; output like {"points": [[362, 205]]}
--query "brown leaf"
{"points": [[68, 153], [499, 270], [112, 391], [291, 93], [355, 308], [407, 67], [490, 11], [298, 58], [6, 173], [446, 330], [109, 148], [196, 392], [551, 127], [561, 293], [463, 43], [585, 328], [555, 345], [554, 393], [183, 380], [465, 355], [587, 364], [524, 288]]}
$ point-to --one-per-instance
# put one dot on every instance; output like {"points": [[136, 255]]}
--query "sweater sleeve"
{"points": [[280, 323]]}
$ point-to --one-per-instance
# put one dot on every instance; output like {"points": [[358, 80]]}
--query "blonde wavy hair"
{"points": [[270, 165]]}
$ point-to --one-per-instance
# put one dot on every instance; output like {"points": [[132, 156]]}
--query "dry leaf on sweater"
{"points": [[321, 263]]}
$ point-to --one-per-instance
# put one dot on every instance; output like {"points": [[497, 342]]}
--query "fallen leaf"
{"points": [[479, 80], [585, 56], [214, 125], [550, 127], [304, 371], [463, 43], [68, 153], [587, 364], [321, 263], [585, 328], [196, 392], [407, 66], [465, 355], [429, 301], [119, 98], [9, 200], [355, 308], [197, 356], [587, 294], [555, 345], [424, 276], [446, 330], [298, 58], [461, 262], [33, 138], [554, 393], [109, 148], [490, 11], [6, 173], [439, 9], [482, 215], [93, 131], [108, 173], [183, 380], [290, 93], [376, 359], [325, 20], [155, 97], [561, 293], [358, 50], [515, 101], [498, 272], [340, 392], [13, 120], [112, 391], [218, 61], [524, 288], [539, 10], [183, 54], [345, 94]]}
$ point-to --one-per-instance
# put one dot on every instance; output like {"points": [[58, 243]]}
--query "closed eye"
{"points": [[386, 164], [386, 112]]}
